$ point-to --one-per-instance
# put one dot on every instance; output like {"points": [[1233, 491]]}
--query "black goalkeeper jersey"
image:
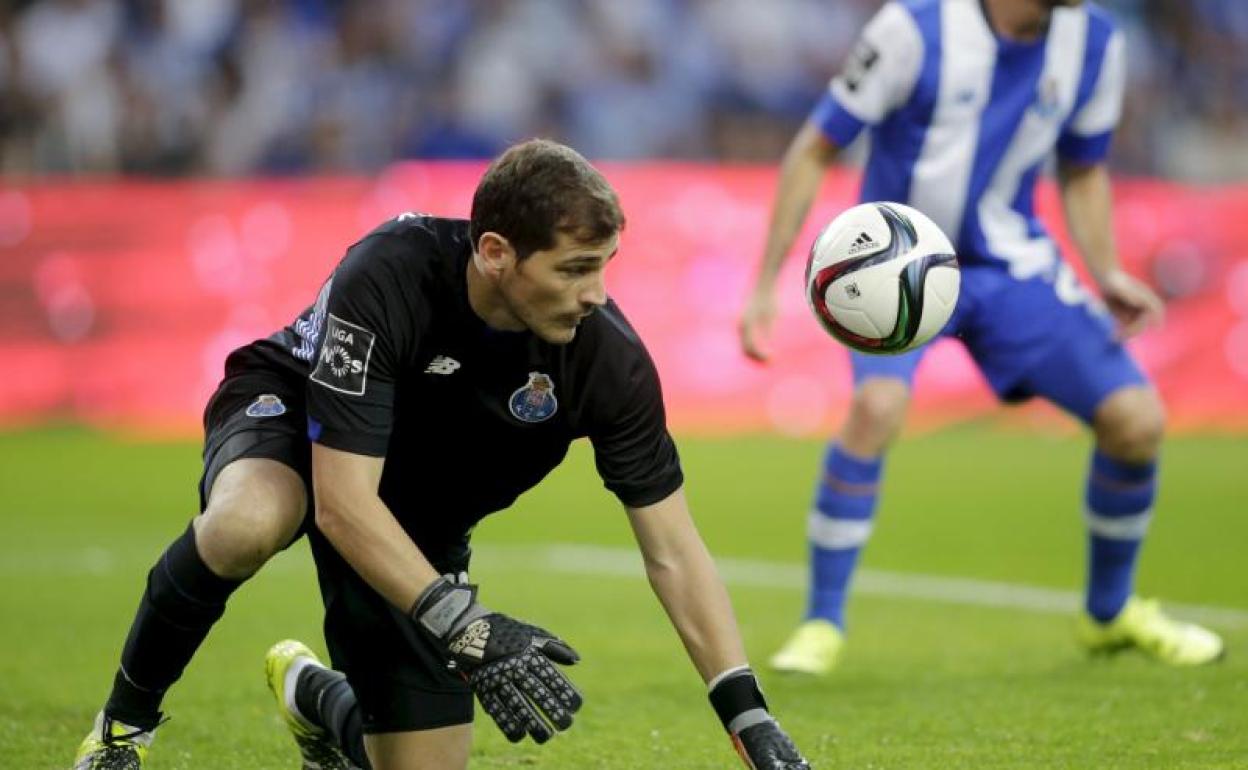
{"points": [[398, 365]]}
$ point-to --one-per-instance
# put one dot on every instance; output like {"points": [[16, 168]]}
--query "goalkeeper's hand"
{"points": [[755, 733], [507, 663]]}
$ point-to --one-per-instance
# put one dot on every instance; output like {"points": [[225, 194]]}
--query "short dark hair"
{"points": [[539, 188]]}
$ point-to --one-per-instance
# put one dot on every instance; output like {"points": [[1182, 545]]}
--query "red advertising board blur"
{"points": [[120, 299]]}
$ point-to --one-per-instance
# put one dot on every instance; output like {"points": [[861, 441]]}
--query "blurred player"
{"points": [[444, 369], [965, 101]]}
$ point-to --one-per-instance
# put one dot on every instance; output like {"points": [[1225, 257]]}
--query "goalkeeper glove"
{"points": [[506, 663], [755, 733]]}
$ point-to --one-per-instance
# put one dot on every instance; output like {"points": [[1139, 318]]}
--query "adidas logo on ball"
{"points": [[861, 243]]}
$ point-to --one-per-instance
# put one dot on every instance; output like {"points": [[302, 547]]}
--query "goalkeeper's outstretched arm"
{"points": [[684, 578]]}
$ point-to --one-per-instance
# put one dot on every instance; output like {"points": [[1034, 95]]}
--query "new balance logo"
{"points": [[442, 365], [861, 243]]}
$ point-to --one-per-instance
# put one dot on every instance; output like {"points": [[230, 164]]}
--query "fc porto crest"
{"points": [[535, 401], [266, 405], [1048, 99]]}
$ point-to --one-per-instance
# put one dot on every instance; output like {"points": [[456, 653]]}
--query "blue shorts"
{"points": [[1029, 339]]}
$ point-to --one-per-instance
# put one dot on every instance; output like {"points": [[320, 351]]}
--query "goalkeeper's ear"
{"points": [[559, 651]]}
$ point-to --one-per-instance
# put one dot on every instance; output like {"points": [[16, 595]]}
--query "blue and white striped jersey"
{"points": [[962, 121]]}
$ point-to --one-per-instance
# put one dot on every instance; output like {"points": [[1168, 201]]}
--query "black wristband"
{"points": [[736, 694]]}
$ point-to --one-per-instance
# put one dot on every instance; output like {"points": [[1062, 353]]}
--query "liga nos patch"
{"points": [[343, 362]]}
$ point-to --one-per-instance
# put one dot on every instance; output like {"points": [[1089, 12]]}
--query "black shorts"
{"points": [[400, 679], [257, 413]]}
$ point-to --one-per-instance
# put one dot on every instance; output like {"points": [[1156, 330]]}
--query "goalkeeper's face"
{"points": [[551, 291]]}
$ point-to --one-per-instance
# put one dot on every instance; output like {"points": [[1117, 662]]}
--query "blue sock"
{"points": [[1119, 500], [839, 525]]}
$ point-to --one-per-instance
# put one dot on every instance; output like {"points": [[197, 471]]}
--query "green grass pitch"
{"points": [[928, 681]]}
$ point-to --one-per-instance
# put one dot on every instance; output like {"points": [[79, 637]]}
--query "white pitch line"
{"points": [[592, 560], [758, 573]]}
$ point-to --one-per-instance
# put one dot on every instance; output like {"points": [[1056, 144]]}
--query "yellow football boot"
{"points": [[112, 745], [1142, 624], [812, 649]]}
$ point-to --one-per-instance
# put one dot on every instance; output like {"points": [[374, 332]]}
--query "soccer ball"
{"points": [[882, 278]]}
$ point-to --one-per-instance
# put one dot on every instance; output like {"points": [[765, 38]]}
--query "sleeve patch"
{"points": [[861, 60], [343, 362]]}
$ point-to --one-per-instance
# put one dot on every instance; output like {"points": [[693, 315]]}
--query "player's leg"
{"points": [[255, 509], [393, 705], [1121, 489], [1119, 492], [1087, 372], [847, 492], [253, 505], [321, 711], [846, 497], [444, 748], [318, 706], [333, 711]]}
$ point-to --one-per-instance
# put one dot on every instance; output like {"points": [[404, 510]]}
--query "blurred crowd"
{"points": [[225, 87]]}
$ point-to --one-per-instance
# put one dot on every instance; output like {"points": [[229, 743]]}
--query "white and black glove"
{"points": [[755, 733], [507, 663]]}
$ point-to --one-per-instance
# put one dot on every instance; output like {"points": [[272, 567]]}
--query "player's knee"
{"points": [[881, 402], [876, 414], [249, 518], [236, 541], [1131, 424], [442, 748]]}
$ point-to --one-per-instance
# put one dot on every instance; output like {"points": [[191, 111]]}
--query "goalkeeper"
{"points": [[443, 370]]}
